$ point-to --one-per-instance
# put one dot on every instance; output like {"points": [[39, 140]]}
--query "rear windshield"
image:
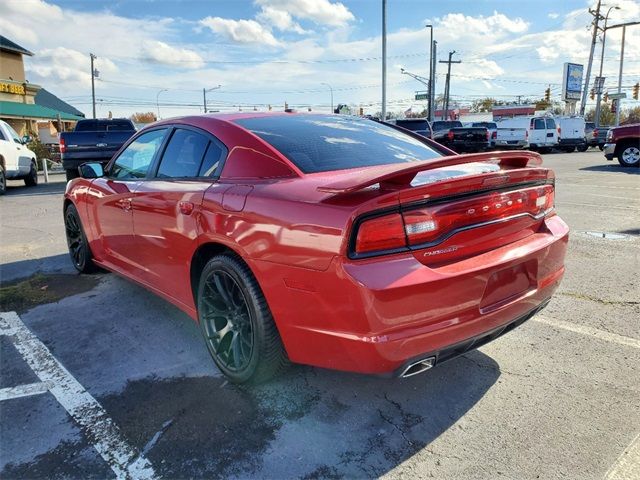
{"points": [[320, 143], [484, 124], [104, 125], [444, 125], [414, 125]]}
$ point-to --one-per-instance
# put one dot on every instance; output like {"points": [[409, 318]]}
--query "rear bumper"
{"points": [[515, 144], [609, 150], [373, 316], [571, 142]]}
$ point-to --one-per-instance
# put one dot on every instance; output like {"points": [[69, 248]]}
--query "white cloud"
{"points": [[241, 31], [323, 12], [67, 66], [163, 53], [280, 19], [553, 15], [496, 25]]}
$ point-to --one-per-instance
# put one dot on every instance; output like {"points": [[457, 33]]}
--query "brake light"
{"points": [[428, 224], [595, 133], [450, 135], [380, 234], [559, 130], [494, 135], [63, 147]]}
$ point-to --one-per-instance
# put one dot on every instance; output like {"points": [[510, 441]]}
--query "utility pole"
{"points": [[585, 89], [445, 113], [599, 83], [432, 85], [204, 96], [93, 87], [624, 28], [430, 100], [384, 60]]}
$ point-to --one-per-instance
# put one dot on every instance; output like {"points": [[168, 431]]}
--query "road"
{"points": [[120, 382]]}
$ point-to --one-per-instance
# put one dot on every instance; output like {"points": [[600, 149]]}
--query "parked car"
{"points": [[571, 133], [600, 135], [491, 126], [418, 125], [17, 162], [542, 131], [440, 129], [94, 140], [468, 139], [623, 143], [510, 138], [321, 239]]}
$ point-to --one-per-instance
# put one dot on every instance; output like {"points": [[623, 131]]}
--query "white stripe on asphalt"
{"points": [[23, 391], [627, 466], [590, 332], [98, 427]]}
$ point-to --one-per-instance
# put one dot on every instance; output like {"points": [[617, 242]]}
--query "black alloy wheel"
{"points": [[31, 180], [236, 322], [3, 181], [79, 250]]}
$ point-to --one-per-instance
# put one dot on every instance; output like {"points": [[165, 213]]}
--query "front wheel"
{"points": [[629, 156], [79, 250], [31, 180], [236, 322], [3, 181]]}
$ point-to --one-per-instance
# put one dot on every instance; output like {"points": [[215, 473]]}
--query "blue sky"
{"points": [[266, 52]]}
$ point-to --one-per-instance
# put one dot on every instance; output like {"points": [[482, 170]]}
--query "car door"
{"points": [[551, 136], [538, 132], [109, 201], [16, 156], [166, 207]]}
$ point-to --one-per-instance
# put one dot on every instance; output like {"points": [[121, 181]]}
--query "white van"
{"points": [[571, 134], [542, 130]]}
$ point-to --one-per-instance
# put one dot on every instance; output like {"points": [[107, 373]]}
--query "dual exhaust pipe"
{"points": [[418, 366]]}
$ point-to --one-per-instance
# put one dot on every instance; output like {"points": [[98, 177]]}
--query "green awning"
{"points": [[33, 112]]}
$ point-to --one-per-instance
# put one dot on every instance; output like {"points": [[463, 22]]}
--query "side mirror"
{"points": [[26, 139], [91, 170]]}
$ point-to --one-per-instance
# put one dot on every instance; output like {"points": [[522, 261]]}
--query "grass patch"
{"points": [[41, 289]]}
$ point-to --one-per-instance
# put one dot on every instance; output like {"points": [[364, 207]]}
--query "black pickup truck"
{"points": [[94, 140], [468, 139]]}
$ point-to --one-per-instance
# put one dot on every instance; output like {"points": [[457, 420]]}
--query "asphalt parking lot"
{"points": [[101, 379]]}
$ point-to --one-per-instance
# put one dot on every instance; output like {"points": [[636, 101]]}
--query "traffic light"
{"points": [[605, 97], [592, 94], [636, 87], [547, 95]]}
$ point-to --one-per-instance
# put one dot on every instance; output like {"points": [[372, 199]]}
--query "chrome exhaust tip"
{"points": [[418, 367]]}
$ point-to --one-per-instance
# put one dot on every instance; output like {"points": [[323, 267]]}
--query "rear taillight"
{"points": [[380, 234], [494, 135], [595, 133], [63, 147], [559, 131], [488, 135], [428, 224], [450, 135]]}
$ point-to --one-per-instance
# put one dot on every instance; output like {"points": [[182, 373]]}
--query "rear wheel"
{"points": [[569, 149], [79, 250], [629, 155], [236, 322], [583, 148], [31, 180], [3, 181]]}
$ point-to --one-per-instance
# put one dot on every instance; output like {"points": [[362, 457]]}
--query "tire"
{"points": [[583, 148], [629, 155], [601, 147], [31, 180], [71, 174], [543, 150], [237, 324], [79, 249], [3, 181]]}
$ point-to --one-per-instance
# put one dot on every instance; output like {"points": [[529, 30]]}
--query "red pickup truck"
{"points": [[624, 144]]}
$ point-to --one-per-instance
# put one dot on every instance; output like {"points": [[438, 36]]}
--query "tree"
{"points": [[633, 115], [143, 117], [484, 105], [543, 104], [607, 117]]}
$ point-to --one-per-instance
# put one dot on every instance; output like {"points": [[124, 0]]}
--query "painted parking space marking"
{"points": [[93, 420], [627, 466], [590, 332], [23, 391]]}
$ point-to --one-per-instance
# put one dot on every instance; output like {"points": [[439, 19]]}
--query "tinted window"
{"points": [[484, 124], [318, 143], [551, 123], [103, 125], [414, 125], [445, 125], [183, 155], [211, 160], [134, 160], [539, 124]]}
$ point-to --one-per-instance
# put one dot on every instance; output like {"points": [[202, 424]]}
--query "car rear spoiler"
{"points": [[399, 175]]}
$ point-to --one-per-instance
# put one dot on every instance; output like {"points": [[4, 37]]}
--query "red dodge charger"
{"points": [[325, 240]]}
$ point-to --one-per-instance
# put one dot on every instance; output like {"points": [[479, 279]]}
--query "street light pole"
{"points": [[157, 104], [596, 19], [204, 96], [331, 90], [430, 103], [604, 39], [93, 87], [384, 60], [624, 29]]}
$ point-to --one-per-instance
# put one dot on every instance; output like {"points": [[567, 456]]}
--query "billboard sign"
{"points": [[572, 81]]}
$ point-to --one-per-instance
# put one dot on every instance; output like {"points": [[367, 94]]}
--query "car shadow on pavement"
{"points": [[15, 189], [612, 168], [13, 271]]}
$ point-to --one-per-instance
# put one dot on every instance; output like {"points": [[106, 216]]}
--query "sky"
{"points": [[160, 54]]}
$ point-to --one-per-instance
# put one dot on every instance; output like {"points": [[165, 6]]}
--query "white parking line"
{"points": [[97, 426], [590, 332], [627, 466], [23, 391]]}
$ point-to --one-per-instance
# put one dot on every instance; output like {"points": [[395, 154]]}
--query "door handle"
{"points": [[124, 204], [186, 208]]}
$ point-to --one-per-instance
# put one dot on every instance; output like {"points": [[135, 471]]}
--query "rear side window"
{"points": [[134, 161], [183, 155], [211, 161], [320, 143], [104, 125]]}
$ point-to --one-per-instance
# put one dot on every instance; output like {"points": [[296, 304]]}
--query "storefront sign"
{"points": [[14, 88]]}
